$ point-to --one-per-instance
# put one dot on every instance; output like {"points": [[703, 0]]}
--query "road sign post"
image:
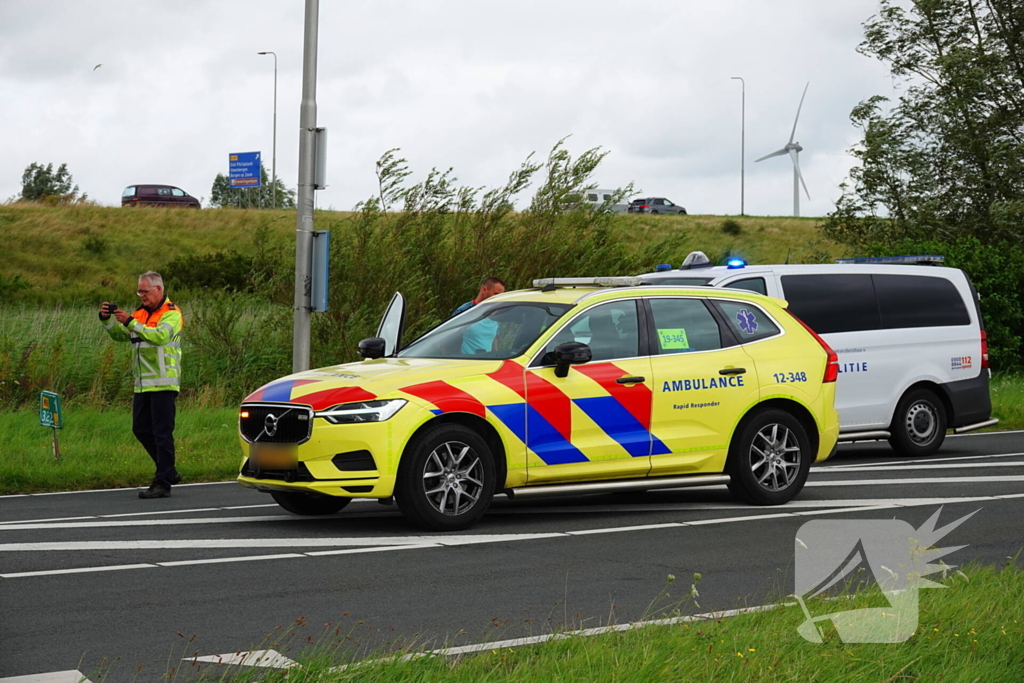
{"points": [[50, 416]]}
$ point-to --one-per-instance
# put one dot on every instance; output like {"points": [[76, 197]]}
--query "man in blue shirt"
{"points": [[479, 336]]}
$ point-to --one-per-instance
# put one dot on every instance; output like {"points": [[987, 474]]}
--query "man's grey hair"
{"points": [[155, 279]]}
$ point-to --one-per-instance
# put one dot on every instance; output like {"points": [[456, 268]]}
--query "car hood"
{"points": [[365, 380]]}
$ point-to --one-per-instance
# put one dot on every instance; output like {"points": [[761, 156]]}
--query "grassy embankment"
{"points": [[951, 644], [64, 260]]}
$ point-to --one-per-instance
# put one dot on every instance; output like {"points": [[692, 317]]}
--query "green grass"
{"points": [[953, 644], [98, 450], [1007, 392]]}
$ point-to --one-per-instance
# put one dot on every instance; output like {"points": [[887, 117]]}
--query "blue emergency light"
{"points": [[735, 263], [663, 266]]}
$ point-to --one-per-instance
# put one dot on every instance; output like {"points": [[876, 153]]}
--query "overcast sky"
{"points": [[472, 84]]}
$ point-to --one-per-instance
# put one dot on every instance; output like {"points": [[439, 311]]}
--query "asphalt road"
{"points": [[105, 582]]}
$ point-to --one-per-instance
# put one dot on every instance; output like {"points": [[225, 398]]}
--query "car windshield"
{"points": [[498, 330]]}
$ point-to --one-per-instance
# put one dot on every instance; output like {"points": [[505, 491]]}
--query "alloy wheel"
{"points": [[453, 478]]}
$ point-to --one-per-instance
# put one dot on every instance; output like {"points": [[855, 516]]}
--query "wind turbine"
{"points": [[793, 149]]}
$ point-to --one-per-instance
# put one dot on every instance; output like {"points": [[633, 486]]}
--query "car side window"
{"points": [[163, 191], [659, 202], [683, 326], [177, 193], [748, 321], [919, 301], [840, 302], [128, 192], [750, 284], [611, 330]]}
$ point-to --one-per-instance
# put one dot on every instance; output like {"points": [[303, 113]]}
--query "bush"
{"points": [[731, 227]]}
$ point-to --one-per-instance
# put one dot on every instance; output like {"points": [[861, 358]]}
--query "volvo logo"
{"points": [[270, 424]]}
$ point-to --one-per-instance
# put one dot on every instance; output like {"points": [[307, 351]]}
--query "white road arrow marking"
{"points": [[271, 659]]}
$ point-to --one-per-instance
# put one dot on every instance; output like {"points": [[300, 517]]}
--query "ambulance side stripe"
{"points": [[618, 423], [636, 398]]}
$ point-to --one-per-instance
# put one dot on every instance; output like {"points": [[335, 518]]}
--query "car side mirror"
{"points": [[570, 353], [373, 347]]}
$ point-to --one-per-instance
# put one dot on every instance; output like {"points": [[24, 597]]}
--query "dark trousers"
{"points": [[153, 425]]}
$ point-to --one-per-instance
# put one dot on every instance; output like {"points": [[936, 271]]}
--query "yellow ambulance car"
{"points": [[579, 385]]}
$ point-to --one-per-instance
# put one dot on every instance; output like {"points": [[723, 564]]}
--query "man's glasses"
{"points": [[144, 292]]}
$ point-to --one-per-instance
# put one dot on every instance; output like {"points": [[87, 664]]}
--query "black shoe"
{"points": [[176, 479], [156, 490]]}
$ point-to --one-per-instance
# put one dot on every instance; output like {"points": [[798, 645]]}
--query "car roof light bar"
{"points": [[918, 260], [552, 282]]}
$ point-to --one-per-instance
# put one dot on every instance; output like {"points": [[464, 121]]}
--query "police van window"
{"points": [[610, 330], [683, 326], [750, 284], [749, 322], [498, 330], [592, 197], [833, 303], [919, 301]]}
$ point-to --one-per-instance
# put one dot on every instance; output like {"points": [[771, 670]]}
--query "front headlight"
{"points": [[364, 411]]}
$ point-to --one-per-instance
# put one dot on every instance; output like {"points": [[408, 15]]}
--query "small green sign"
{"points": [[674, 338], [49, 410]]}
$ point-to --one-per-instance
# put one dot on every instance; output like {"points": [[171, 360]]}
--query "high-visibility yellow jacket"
{"points": [[156, 340]]}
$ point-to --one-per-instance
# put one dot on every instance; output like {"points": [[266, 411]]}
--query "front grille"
{"points": [[276, 423], [301, 473]]}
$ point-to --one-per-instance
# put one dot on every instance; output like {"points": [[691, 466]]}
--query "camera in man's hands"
{"points": [[111, 308]]}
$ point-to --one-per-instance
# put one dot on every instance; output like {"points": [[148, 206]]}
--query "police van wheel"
{"points": [[446, 479], [306, 504], [769, 459], [919, 424]]}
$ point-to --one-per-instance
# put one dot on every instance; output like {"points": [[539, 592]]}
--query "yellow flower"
{"points": [[750, 649]]}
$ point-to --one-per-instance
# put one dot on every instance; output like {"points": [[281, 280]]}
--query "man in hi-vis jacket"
{"points": [[154, 331]]}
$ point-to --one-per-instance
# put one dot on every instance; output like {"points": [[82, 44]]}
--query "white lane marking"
{"points": [[901, 468], [641, 527], [51, 677], [919, 480], [140, 514], [78, 570], [221, 560], [15, 526], [858, 465], [123, 489], [499, 538], [224, 543], [270, 659], [320, 553]]}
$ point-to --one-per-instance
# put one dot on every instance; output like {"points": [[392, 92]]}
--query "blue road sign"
{"points": [[244, 169]]}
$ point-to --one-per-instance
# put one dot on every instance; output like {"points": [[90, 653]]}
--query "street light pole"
{"points": [[743, 139], [273, 185], [306, 189]]}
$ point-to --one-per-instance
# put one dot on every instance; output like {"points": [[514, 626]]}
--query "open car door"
{"points": [[392, 325]]}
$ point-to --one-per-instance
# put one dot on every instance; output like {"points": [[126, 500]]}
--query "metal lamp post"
{"points": [[743, 141], [273, 185]]}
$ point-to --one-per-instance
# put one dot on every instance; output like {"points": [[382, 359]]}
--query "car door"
{"points": [[178, 197], [703, 382], [595, 422], [163, 196], [658, 205]]}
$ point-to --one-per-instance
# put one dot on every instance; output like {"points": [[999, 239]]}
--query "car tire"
{"points": [[682, 212], [769, 458], [446, 479], [654, 213], [919, 424], [308, 504]]}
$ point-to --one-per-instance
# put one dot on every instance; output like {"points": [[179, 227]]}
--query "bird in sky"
{"points": [[96, 67]]}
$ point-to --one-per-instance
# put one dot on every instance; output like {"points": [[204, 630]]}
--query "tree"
{"points": [[40, 182], [942, 169], [222, 195], [947, 160]]}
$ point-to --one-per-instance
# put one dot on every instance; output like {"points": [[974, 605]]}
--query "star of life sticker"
{"points": [[747, 321], [891, 551]]}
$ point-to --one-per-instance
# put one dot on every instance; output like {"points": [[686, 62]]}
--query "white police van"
{"points": [[913, 357]]}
